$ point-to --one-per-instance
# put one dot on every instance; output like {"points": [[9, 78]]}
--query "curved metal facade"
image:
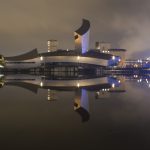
{"points": [[32, 63], [77, 59]]}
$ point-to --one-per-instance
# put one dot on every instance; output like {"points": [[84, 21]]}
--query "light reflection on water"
{"points": [[104, 112]]}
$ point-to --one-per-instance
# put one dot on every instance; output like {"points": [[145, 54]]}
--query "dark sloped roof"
{"points": [[84, 27], [29, 55]]}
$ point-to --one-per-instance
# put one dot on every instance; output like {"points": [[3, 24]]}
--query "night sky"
{"points": [[28, 24]]}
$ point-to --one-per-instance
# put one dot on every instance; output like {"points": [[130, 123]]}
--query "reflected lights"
{"points": [[113, 85], [113, 57], [1, 75], [41, 84], [1, 66], [78, 57], [105, 90], [41, 58]]}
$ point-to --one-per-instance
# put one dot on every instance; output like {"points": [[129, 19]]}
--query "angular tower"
{"points": [[82, 37]]}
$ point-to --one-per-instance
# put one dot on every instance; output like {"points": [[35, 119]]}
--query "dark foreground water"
{"points": [[108, 116]]}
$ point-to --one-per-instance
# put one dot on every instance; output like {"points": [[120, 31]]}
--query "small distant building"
{"points": [[2, 61], [52, 45], [103, 46]]}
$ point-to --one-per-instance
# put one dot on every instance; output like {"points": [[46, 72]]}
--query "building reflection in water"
{"points": [[81, 104], [117, 86], [103, 87], [51, 95]]}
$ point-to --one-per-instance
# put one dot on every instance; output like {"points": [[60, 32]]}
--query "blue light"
{"points": [[85, 43], [113, 81], [114, 61], [85, 100]]}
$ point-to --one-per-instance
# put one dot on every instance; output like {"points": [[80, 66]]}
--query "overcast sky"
{"points": [[28, 24]]}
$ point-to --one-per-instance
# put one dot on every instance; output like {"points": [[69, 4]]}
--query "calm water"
{"points": [[103, 113]]}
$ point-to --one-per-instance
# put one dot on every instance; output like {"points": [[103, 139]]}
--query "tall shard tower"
{"points": [[81, 36]]}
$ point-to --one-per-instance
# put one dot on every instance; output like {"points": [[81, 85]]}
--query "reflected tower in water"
{"points": [[81, 104]]}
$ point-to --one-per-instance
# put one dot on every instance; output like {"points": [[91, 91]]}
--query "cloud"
{"points": [[136, 34], [29, 24]]}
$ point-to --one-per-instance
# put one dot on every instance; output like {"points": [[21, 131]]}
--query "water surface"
{"points": [[108, 113]]}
